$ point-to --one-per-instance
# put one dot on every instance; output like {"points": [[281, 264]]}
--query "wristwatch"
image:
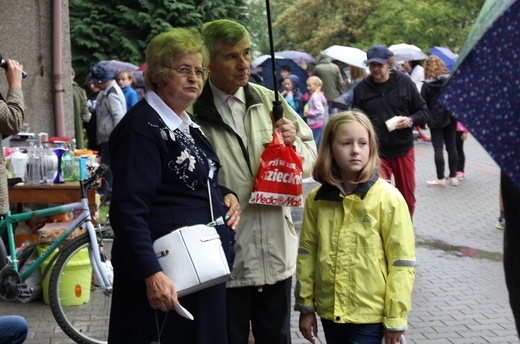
{"points": [[411, 122]]}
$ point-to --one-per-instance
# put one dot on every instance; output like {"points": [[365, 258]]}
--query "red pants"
{"points": [[403, 169]]}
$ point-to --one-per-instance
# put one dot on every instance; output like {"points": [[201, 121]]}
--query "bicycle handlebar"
{"points": [[88, 183]]}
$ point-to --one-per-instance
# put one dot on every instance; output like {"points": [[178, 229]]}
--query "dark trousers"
{"points": [[459, 143], [511, 201], [267, 307], [352, 333], [439, 138]]}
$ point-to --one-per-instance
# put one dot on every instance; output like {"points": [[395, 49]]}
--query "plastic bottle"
{"points": [[67, 167]]}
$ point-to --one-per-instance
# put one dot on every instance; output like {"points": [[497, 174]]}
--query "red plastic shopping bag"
{"points": [[279, 178]]}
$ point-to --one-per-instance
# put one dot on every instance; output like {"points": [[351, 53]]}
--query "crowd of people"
{"points": [[190, 149]]}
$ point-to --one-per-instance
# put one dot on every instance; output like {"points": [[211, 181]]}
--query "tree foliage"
{"points": [[313, 25], [121, 29]]}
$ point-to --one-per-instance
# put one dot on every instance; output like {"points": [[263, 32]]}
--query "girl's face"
{"points": [[351, 150], [312, 86], [288, 85]]}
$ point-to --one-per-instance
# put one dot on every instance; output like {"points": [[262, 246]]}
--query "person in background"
{"points": [[12, 113], [330, 75], [501, 223], [285, 71], [126, 81], [163, 166], [236, 117], [91, 126], [13, 329], [356, 258], [462, 135], [317, 112], [388, 93], [110, 109], [292, 93], [442, 123], [417, 74], [81, 112], [356, 74]]}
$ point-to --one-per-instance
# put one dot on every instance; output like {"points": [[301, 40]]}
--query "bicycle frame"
{"points": [[83, 218]]}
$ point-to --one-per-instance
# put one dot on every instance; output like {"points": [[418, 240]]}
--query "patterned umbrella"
{"points": [[483, 91]]}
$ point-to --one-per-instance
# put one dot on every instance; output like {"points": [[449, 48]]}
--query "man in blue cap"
{"points": [[387, 94], [110, 109]]}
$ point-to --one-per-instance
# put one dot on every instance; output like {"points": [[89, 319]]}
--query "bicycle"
{"points": [[79, 270]]}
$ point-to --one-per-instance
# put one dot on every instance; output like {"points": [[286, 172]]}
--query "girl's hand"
{"points": [[309, 326], [464, 135], [233, 213], [393, 337]]}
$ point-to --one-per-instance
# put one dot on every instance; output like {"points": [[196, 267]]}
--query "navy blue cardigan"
{"points": [[160, 183]]}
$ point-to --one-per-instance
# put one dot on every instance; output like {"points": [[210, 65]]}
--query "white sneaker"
{"points": [[439, 183], [454, 182]]}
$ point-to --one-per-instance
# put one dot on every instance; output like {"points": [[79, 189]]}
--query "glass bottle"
{"points": [[34, 165], [49, 164]]}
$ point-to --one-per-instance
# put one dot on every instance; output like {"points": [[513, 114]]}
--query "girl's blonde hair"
{"points": [[315, 80], [326, 168]]}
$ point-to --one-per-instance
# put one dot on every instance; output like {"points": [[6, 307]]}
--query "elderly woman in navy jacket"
{"points": [[162, 162]]}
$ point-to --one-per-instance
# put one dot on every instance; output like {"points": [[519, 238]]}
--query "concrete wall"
{"points": [[25, 34]]}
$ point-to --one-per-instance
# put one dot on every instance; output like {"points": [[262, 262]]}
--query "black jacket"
{"points": [[439, 116], [400, 97]]}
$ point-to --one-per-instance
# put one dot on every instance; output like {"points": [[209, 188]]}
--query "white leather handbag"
{"points": [[193, 257]]}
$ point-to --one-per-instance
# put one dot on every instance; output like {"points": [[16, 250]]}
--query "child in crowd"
{"points": [[356, 257], [292, 93], [462, 135], [318, 109], [126, 81]]}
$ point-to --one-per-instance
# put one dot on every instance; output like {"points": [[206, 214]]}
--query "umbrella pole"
{"points": [[277, 104]]}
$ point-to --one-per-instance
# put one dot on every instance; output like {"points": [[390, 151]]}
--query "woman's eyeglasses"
{"points": [[186, 71]]}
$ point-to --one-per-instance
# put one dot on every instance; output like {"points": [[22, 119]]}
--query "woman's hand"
{"points": [[464, 135], [393, 337], [233, 213], [309, 326], [160, 291]]}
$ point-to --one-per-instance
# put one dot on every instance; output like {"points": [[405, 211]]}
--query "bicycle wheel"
{"points": [[81, 308]]}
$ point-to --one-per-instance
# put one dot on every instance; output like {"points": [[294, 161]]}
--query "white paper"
{"points": [[392, 123], [181, 310]]}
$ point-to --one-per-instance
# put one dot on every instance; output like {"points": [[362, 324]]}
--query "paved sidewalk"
{"points": [[460, 294]]}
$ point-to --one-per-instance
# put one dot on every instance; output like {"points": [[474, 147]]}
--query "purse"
{"points": [[192, 256]]}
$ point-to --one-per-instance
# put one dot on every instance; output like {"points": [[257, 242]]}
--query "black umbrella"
{"points": [[277, 104]]}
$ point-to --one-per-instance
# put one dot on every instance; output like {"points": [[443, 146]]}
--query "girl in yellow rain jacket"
{"points": [[356, 258]]}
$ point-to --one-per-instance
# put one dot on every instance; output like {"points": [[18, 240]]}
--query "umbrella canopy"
{"points": [[296, 56], [259, 60], [352, 56], [407, 52], [447, 56], [117, 66], [267, 73], [483, 91]]}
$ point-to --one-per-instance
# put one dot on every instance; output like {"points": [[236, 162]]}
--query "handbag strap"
{"points": [[220, 220]]}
